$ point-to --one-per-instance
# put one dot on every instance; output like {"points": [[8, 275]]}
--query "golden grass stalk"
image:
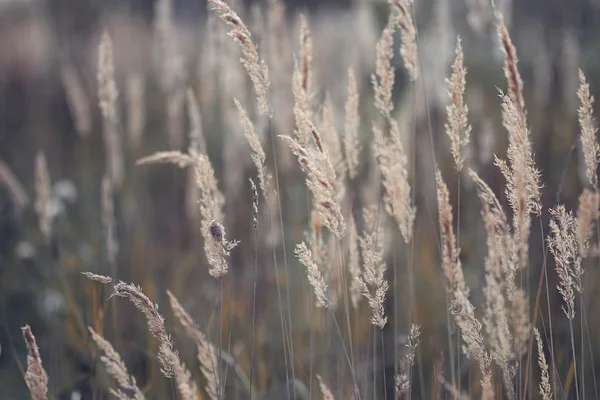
{"points": [[255, 67], [588, 130], [43, 196], [77, 100], [258, 154], [325, 391], [372, 278], [115, 367], [35, 377], [393, 163], [352, 146], [178, 158], [383, 78], [109, 221], [408, 48], [457, 126], [207, 353], [107, 94], [545, 389], [171, 365], [314, 274], [306, 55]]}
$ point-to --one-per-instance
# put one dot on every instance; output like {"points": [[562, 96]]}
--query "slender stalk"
{"points": [[574, 358]]}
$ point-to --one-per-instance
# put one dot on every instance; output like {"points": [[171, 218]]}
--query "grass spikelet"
{"points": [[403, 379], [115, 367], [563, 246], [373, 272], [408, 48], [384, 76], [171, 365], [255, 67], [511, 71], [35, 377], [98, 278], [325, 391], [320, 178], [457, 126], [167, 157], [545, 389], [588, 130], [393, 163], [314, 274], [258, 154], [587, 214]]}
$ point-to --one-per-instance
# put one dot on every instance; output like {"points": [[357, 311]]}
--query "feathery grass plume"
{"points": [[258, 154], [373, 272], [108, 221], [352, 146], [507, 336], [136, 108], [460, 306], [316, 242], [77, 100], [171, 365], [156, 323], [354, 262], [393, 163], [35, 377], [588, 130], [450, 253], [470, 329], [522, 177], [98, 278], [408, 48], [255, 67], [383, 78], [545, 389], [217, 249], [457, 126], [207, 353], [15, 188], [403, 379], [563, 246], [115, 367], [314, 274], [108, 94], [511, 71], [587, 214], [43, 196], [325, 391], [301, 85], [178, 158], [320, 177]]}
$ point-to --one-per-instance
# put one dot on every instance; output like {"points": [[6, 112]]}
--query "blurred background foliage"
{"points": [[48, 56]]}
